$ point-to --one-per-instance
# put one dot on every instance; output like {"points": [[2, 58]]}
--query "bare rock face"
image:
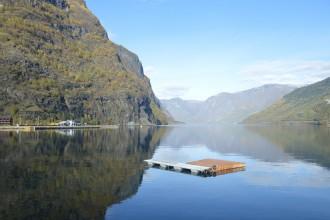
{"points": [[56, 62], [59, 3], [130, 61], [63, 4]]}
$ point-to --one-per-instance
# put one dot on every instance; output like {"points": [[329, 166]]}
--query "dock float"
{"points": [[206, 167]]}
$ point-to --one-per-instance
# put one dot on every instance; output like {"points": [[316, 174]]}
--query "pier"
{"points": [[206, 167]]}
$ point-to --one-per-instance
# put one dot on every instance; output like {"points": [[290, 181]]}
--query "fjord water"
{"points": [[100, 174]]}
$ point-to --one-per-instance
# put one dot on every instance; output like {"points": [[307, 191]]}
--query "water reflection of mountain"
{"points": [[226, 140], [47, 175], [303, 142]]}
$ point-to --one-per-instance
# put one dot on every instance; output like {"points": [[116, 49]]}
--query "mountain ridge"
{"points": [[226, 107], [306, 104]]}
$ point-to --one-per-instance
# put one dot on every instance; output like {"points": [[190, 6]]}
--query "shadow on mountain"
{"points": [[74, 175]]}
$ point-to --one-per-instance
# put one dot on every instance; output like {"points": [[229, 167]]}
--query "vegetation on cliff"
{"points": [[56, 62], [309, 103]]}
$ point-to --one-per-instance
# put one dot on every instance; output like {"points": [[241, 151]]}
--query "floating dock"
{"points": [[206, 167]]}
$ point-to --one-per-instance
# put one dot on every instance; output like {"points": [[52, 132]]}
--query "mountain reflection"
{"points": [[226, 140], [79, 174], [265, 143], [303, 142], [49, 175]]}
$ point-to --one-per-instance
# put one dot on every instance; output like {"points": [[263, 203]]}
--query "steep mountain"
{"points": [[56, 62], [309, 103], [226, 107]]}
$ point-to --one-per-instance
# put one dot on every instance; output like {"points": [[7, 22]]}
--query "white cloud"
{"points": [[286, 72], [171, 92], [111, 35], [150, 71]]}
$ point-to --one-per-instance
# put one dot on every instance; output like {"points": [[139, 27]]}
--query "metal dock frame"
{"points": [[182, 167]]}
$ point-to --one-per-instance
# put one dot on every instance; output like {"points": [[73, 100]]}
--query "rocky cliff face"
{"points": [[56, 62]]}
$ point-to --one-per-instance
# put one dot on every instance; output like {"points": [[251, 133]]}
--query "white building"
{"points": [[68, 123]]}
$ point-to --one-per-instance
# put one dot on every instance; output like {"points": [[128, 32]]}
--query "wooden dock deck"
{"points": [[206, 167]]}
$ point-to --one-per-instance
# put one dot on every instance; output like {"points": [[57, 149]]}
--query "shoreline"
{"points": [[50, 127], [289, 122], [28, 128], [55, 127]]}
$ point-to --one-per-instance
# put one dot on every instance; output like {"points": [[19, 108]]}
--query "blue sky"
{"points": [[197, 48]]}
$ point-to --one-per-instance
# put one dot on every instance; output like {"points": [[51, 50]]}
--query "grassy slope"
{"points": [[309, 103]]}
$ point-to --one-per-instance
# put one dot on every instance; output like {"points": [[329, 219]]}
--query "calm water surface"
{"points": [[100, 174]]}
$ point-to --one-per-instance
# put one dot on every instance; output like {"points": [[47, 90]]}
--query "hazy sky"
{"points": [[197, 48]]}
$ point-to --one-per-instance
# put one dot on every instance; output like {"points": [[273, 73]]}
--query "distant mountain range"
{"points": [[226, 107], [309, 103]]}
